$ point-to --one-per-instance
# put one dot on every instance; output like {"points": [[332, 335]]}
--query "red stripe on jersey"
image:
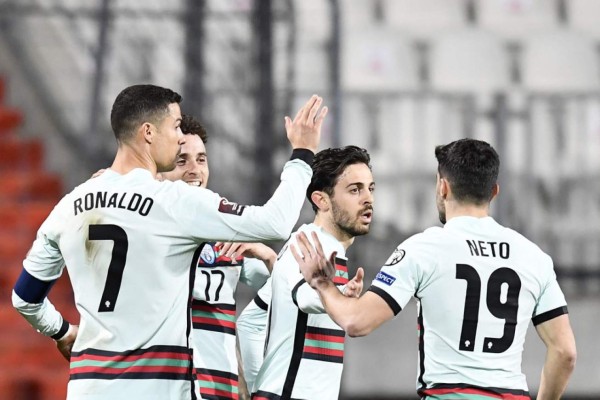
{"points": [[321, 350], [503, 396], [213, 321], [221, 393], [131, 357], [217, 379], [324, 338], [213, 309], [341, 280]]}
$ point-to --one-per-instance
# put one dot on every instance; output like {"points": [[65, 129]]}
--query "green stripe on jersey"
{"points": [[142, 362], [324, 345], [460, 396], [224, 317], [217, 386]]}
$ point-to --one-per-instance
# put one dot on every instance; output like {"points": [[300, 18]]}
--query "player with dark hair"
{"points": [[478, 286], [130, 242], [304, 345], [219, 268]]}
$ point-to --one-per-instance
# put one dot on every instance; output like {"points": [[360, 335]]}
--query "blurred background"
{"points": [[399, 76]]}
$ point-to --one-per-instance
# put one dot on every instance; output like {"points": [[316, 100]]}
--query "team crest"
{"points": [[208, 254], [396, 257]]}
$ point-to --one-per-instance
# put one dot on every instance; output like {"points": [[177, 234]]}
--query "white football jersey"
{"points": [[478, 286], [129, 243], [213, 318], [305, 348], [252, 333]]}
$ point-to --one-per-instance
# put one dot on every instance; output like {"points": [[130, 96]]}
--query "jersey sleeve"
{"points": [[400, 277], [207, 216], [303, 296], [42, 266], [551, 302], [251, 327], [254, 273]]}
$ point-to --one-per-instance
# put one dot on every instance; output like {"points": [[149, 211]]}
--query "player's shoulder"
{"points": [[525, 245], [429, 237]]}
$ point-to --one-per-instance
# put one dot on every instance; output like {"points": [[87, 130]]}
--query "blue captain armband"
{"points": [[31, 289]]}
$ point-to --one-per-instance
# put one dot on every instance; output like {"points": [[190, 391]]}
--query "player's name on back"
{"points": [[127, 201], [489, 249]]}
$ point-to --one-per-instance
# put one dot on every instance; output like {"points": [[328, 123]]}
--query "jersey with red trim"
{"points": [[478, 286], [304, 345], [130, 242], [213, 318]]}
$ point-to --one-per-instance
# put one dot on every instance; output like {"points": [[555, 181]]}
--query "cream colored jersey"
{"points": [[478, 286], [304, 345], [252, 333], [213, 318], [129, 243]]}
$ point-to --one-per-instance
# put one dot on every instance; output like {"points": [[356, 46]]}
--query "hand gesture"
{"points": [[315, 267], [65, 344], [304, 132], [252, 250], [355, 286]]}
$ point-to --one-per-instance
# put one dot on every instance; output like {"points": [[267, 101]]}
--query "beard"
{"points": [[347, 223], [441, 210]]}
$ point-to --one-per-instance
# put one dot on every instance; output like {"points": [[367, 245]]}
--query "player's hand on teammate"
{"points": [[98, 173], [314, 265], [354, 287], [65, 344], [304, 132], [252, 250]]}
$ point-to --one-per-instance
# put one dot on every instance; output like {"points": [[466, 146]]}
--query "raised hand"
{"points": [[355, 286], [315, 267], [304, 132]]}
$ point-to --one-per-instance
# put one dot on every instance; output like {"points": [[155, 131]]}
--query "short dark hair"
{"points": [[191, 126], [471, 168], [138, 104], [329, 164]]}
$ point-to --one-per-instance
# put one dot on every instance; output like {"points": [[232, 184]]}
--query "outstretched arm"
{"points": [[561, 355], [357, 316]]}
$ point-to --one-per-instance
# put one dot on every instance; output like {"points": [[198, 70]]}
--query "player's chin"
{"points": [[362, 228]]}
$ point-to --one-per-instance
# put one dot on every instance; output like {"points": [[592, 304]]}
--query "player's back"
{"points": [[129, 263], [480, 286]]}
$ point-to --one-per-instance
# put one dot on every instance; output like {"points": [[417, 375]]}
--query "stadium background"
{"points": [[399, 76]]}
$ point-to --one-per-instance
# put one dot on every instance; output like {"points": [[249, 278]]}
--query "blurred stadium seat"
{"points": [[426, 19], [560, 61], [515, 20], [583, 16]]}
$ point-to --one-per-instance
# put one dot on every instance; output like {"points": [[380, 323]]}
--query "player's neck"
{"points": [[330, 227], [454, 209], [129, 158]]}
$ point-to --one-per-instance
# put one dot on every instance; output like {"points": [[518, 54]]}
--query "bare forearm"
{"points": [[343, 310], [555, 375]]}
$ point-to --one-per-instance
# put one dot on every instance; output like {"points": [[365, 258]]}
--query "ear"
{"points": [[495, 191], [321, 199], [443, 188], [147, 130]]}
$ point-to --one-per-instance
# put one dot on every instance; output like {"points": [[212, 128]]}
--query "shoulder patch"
{"points": [[227, 207], [396, 257], [208, 255], [385, 278]]}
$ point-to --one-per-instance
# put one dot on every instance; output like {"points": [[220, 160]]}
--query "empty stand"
{"points": [[583, 16], [560, 61], [27, 195], [515, 20], [426, 19]]}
